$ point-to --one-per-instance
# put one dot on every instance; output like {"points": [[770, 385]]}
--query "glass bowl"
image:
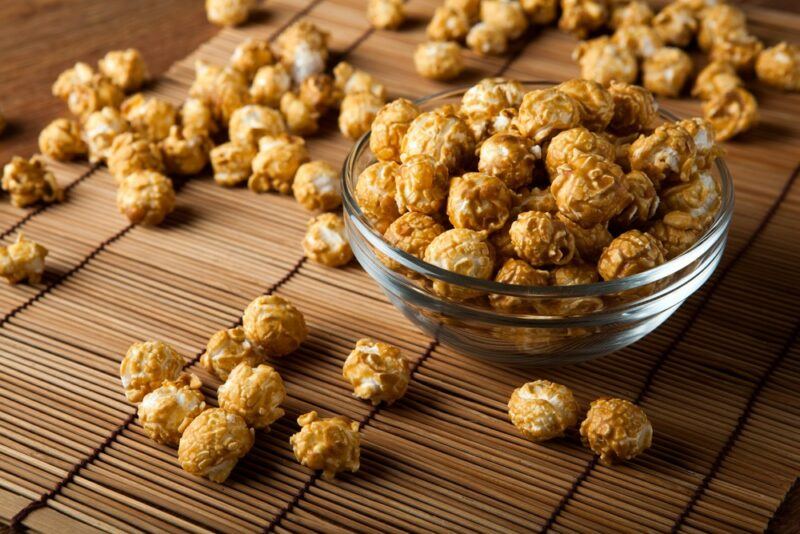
{"points": [[606, 316]]}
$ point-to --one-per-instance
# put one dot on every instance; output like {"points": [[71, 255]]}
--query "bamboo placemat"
{"points": [[719, 380]]}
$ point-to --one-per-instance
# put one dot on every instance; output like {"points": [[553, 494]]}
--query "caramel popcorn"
{"points": [[448, 24], [779, 66], [616, 430], [633, 13], [505, 15], [251, 55], [275, 325], [595, 102], [630, 253], [478, 201], [166, 411], [605, 61], [541, 239], [487, 40], [185, 155], [276, 163], [150, 117], [542, 410], [212, 444], [385, 14], [546, 112], [641, 40], [666, 71], [146, 366], [589, 190], [270, 84], [635, 109], [350, 80], [412, 232], [325, 241], [375, 193], [485, 101], [739, 49], [94, 95], [668, 154], [330, 445], [131, 153], [317, 186], [389, 127], [357, 113], [676, 25], [125, 68], [228, 348], [471, 8], [99, 130], [303, 50], [509, 157], [717, 77], [22, 260], [80, 74], [517, 272], [676, 232], [534, 199], [253, 393], [197, 118], [589, 242], [29, 182], [146, 197], [462, 251], [421, 185], [717, 22], [441, 134], [319, 92], [61, 139], [377, 371], [644, 204], [232, 163], [228, 13], [439, 60], [571, 144], [699, 199], [230, 92], [704, 137], [205, 81], [572, 274], [540, 12], [582, 17], [250, 123]]}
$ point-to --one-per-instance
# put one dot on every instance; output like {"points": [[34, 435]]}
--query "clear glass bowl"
{"points": [[608, 315]]}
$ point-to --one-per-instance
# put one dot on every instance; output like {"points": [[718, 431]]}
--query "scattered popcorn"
{"points": [[604, 61], [330, 445], [582, 17], [29, 182], [273, 324], [325, 241], [61, 140], [716, 78], [439, 60], [377, 371], [22, 260], [717, 22], [317, 186], [389, 127], [228, 348], [253, 393], [146, 366], [676, 25], [276, 163], [303, 50], [165, 412], [740, 50], [616, 430], [130, 153], [228, 12], [270, 84], [471, 8], [151, 117], [229, 93], [66, 83], [212, 444], [375, 193], [487, 40], [146, 197], [183, 155], [506, 16], [99, 130], [666, 71], [385, 14], [125, 68], [197, 118], [251, 55], [542, 410], [319, 92], [641, 40], [250, 123], [94, 95], [232, 163], [448, 24], [540, 12], [779, 66], [350, 80], [633, 13], [357, 113]]}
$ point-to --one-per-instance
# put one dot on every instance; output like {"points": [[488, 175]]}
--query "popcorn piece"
{"points": [[676, 25], [717, 22], [605, 61], [232, 163], [510, 158], [29, 182], [22, 260], [779, 66], [357, 113], [644, 204], [616, 430], [130, 153], [377, 371], [704, 137], [571, 144], [330, 445], [389, 127], [303, 50], [276, 163], [375, 193], [534, 199], [699, 199], [185, 155], [540, 12], [439, 60], [228, 12], [740, 49], [541, 239], [99, 130], [633, 13], [125, 68], [270, 84], [462, 251], [478, 201], [70, 79], [230, 92], [212, 444], [166, 411], [421, 185], [150, 117], [385, 14], [412, 232], [253, 393], [251, 55], [641, 40], [676, 232], [146, 197], [668, 154], [630, 253], [572, 274], [542, 410], [197, 118], [317, 186], [441, 134], [350, 80], [470, 7], [716, 78], [635, 109], [61, 140], [228, 348], [517, 272], [487, 40], [545, 112], [582, 17], [94, 95], [448, 24], [146, 366], [505, 15], [595, 102], [325, 241], [273, 324], [589, 242], [483, 103], [319, 92], [666, 71], [204, 85], [250, 123]]}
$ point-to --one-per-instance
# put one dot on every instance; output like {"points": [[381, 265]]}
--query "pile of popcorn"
{"points": [[559, 186]]}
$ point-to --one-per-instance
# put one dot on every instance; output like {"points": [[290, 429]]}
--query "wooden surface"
{"points": [[719, 380]]}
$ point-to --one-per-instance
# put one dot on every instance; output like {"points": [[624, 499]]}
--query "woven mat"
{"points": [[719, 380]]}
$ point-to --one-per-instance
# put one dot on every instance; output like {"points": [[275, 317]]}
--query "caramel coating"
{"points": [[448, 24], [61, 140], [251, 55], [571, 275], [330, 445], [228, 348], [130, 152], [385, 14], [487, 40], [582, 17], [595, 102], [641, 40], [517, 272], [462, 251], [22, 260], [275, 325], [542, 410], [204, 84], [630, 253], [675, 235], [276, 163], [357, 113], [317, 186], [94, 95], [571, 144], [589, 190], [717, 22], [66, 83], [325, 241], [166, 411], [644, 204], [212, 444], [717, 77], [270, 84], [389, 127], [253, 393], [350, 80], [471, 8], [704, 137], [421, 185], [146, 197], [303, 50], [485, 101], [185, 155], [99, 130], [441, 134], [228, 12], [541, 239], [412, 232], [230, 92], [232, 163], [505, 15], [151, 117], [589, 242], [509, 157], [666, 71], [676, 25], [534, 199], [125, 68], [668, 154], [616, 430], [146, 366], [698, 200], [438, 60], [635, 109], [250, 123], [301, 118], [540, 12], [197, 118], [320, 93], [375, 193], [546, 112], [29, 182], [377, 371], [739, 49], [633, 13], [604, 61], [779, 66], [478, 201]]}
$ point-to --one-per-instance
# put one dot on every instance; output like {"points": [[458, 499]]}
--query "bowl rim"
{"points": [[711, 235]]}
